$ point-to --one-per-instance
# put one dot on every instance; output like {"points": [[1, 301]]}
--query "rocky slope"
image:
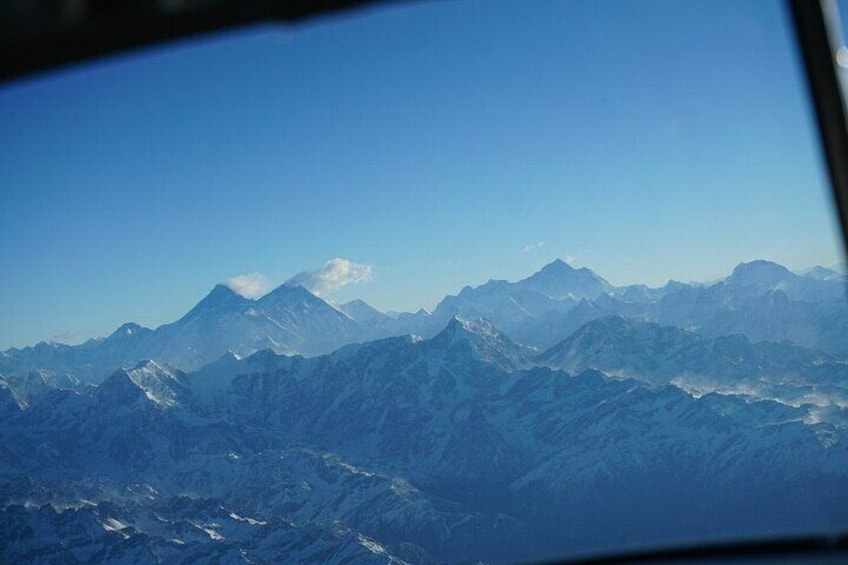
{"points": [[453, 448]]}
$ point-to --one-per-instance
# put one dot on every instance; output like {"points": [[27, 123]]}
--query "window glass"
{"points": [[438, 281]]}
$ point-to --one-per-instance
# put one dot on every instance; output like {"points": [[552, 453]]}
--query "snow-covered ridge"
{"points": [[413, 450], [761, 300]]}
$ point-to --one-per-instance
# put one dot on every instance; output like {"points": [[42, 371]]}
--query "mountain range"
{"points": [[290, 429], [761, 300], [453, 448]]}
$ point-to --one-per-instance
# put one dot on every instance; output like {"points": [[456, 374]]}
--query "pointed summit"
{"points": [[363, 312], [460, 328], [119, 390], [315, 325], [221, 297], [559, 281], [146, 382], [128, 331], [558, 265], [294, 300], [290, 294], [485, 341], [222, 292]]}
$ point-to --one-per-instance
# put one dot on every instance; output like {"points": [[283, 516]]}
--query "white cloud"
{"points": [[570, 259], [68, 337], [533, 247], [250, 285], [335, 274]]}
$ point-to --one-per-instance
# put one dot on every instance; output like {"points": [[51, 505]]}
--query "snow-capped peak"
{"points": [[759, 273], [158, 384], [220, 297], [129, 329], [486, 341], [559, 280]]}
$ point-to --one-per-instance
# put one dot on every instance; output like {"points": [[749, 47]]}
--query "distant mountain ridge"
{"points": [[761, 300], [659, 355], [286, 320]]}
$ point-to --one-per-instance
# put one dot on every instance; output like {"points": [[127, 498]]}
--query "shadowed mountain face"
{"points": [[454, 448]]}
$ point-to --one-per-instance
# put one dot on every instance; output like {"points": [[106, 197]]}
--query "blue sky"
{"points": [[436, 144]]}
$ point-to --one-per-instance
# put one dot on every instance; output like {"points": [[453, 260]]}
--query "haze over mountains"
{"points": [[546, 417], [761, 300]]}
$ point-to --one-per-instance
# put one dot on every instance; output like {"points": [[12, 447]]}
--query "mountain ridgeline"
{"points": [[554, 416], [761, 300]]}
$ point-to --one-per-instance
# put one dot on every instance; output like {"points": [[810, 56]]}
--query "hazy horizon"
{"points": [[431, 146], [351, 291]]}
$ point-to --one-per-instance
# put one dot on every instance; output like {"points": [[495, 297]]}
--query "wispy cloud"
{"points": [[533, 247], [68, 336], [570, 259], [335, 274], [250, 285]]}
